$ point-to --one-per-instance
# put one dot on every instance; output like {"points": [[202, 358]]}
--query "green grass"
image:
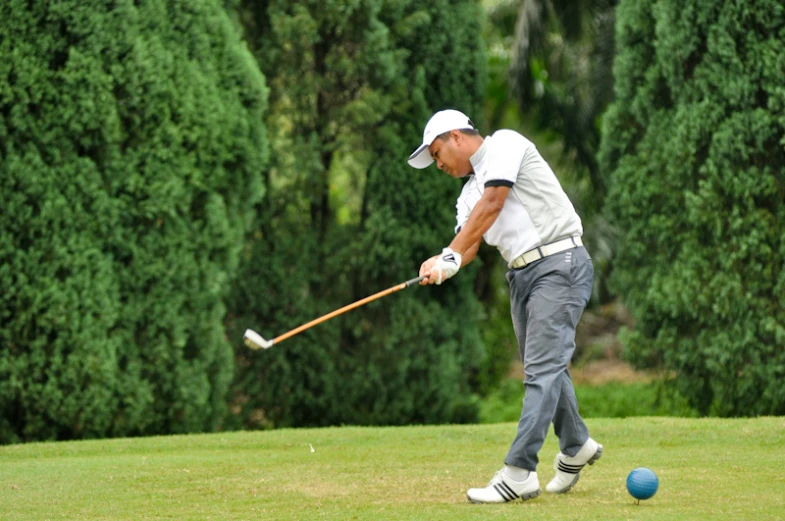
{"points": [[708, 468]]}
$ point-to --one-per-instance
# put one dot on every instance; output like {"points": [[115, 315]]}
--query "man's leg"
{"points": [[577, 448], [518, 479], [543, 299], [567, 423]]}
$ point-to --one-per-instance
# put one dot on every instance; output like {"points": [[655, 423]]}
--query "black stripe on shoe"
{"points": [[501, 492], [509, 489], [505, 491], [569, 469]]}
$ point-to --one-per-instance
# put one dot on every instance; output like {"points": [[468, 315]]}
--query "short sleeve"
{"points": [[505, 158]]}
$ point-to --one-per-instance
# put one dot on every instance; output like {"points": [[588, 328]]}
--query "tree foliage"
{"points": [[131, 144], [352, 84], [551, 65], [560, 59], [695, 149]]}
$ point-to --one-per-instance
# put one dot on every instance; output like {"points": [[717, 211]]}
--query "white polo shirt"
{"points": [[536, 211]]}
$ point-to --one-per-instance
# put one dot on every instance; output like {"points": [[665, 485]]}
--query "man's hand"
{"points": [[442, 267]]}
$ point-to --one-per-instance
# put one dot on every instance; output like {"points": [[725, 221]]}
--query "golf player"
{"points": [[513, 200]]}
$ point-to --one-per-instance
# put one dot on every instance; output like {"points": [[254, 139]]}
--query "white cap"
{"points": [[441, 122]]}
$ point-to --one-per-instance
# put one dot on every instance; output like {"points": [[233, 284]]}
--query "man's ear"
{"points": [[457, 135]]}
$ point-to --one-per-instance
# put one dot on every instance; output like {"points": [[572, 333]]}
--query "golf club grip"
{"points": [[414, 281], [344, 309]]}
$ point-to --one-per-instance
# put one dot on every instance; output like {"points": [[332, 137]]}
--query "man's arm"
{"points": [[481, 219], [467, 242], [425, 268], [471, 253]]}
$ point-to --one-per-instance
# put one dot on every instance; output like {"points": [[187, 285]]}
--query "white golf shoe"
{"points": [[568, 468], [502, 489]]}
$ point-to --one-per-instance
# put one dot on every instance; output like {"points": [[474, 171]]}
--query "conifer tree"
{"points": [[131, 151], [695, 149], [352, 86]]}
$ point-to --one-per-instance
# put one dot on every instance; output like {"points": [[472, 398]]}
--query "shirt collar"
{"points": [[478, 158]]}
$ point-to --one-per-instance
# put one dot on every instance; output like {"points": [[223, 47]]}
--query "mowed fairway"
{"points": [[708, 469]]}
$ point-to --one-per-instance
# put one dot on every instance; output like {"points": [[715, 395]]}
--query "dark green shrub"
{"points": [[131, 144], [609, 400], [352, 86], [695, 150]]}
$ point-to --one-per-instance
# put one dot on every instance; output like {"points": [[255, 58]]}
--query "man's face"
{"points": [[450, 155]]}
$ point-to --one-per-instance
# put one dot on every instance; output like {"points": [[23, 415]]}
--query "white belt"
{"points": [[546, 250]]}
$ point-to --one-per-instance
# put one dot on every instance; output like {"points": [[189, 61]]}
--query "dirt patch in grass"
{"points": [[597, 372], [610, 370], [598, 355]]}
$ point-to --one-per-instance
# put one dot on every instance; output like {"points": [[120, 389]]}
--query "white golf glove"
{"points": [[447, 265]]}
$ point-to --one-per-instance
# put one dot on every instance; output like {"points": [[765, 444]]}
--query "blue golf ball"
{"points": [[642, 483]]}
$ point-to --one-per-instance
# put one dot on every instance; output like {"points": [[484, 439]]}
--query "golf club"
{"points": [[255, 341]]}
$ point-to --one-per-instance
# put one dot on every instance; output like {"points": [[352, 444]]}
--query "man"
{"points": [[513, 200]]}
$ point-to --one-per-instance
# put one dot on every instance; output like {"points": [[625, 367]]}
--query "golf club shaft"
{"points": [[344, 309]]}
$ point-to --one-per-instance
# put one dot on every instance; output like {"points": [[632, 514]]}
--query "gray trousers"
{"points": [[547, 299]]}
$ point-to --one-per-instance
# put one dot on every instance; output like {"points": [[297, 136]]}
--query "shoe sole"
{"points": [[592, 460], [597, 455], [524, 497]]}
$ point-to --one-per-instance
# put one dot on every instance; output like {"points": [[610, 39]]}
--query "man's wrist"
{"points": [[447, 264], [455, 247]]}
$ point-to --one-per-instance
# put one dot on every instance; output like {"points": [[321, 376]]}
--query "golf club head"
{"points": [[255, 341]]}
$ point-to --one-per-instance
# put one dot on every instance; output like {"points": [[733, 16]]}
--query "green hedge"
{"points": [[609, 400], [695, 150], [131, 145]]}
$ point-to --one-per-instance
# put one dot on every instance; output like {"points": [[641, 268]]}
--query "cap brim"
{"points": [[421, 158]]}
